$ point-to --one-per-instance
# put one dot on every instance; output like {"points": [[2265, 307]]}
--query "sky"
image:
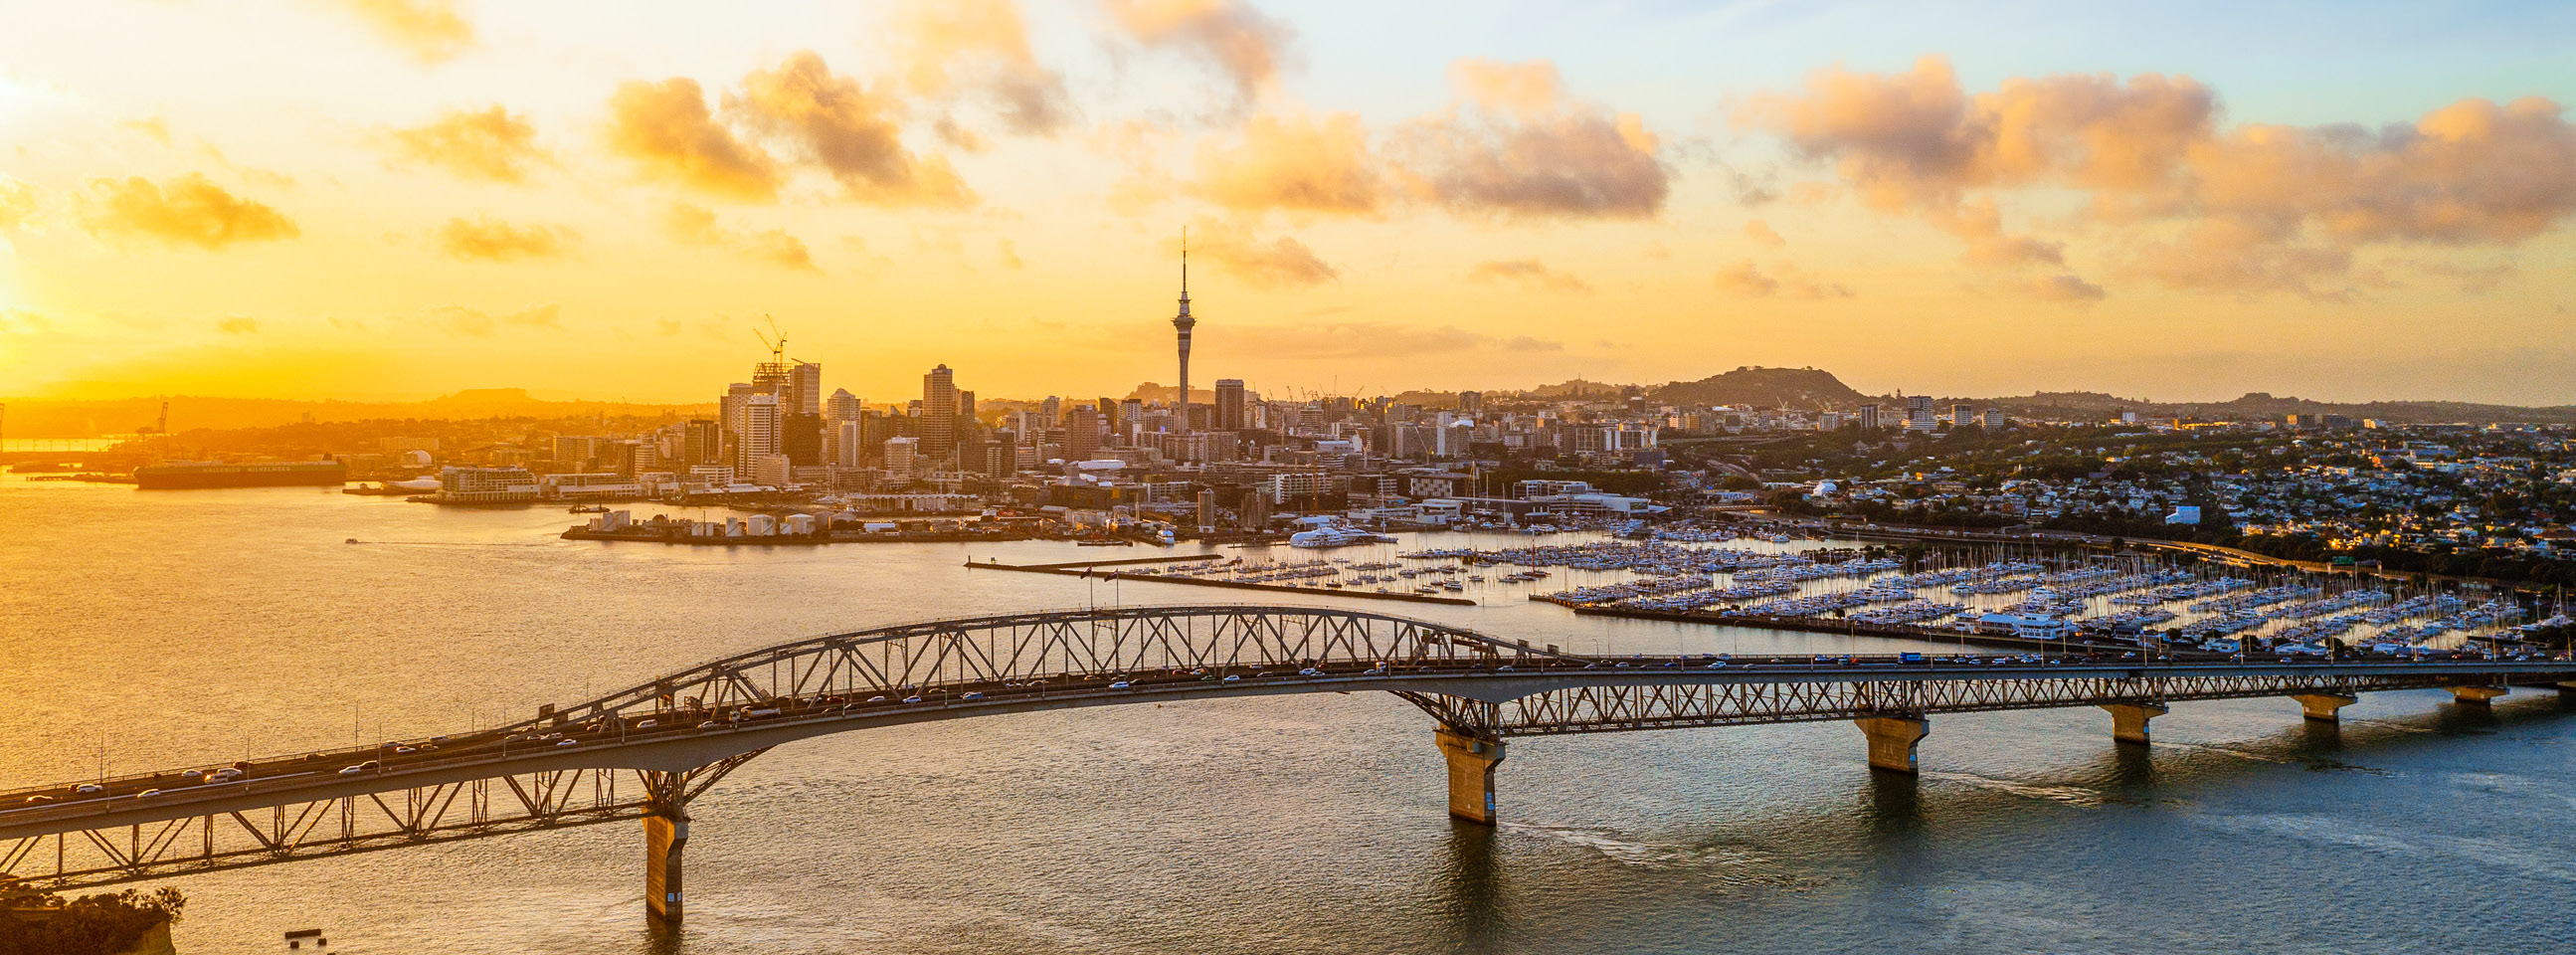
{"points": [[392, 199]]}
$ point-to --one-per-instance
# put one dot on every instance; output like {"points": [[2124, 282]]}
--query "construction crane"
{"points": [[775, 340], [163, 427]]}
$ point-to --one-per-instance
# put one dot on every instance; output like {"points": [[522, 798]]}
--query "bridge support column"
{"points": [[1472, 759], [2322, 707], [1892, 739], [2129, 720], [2476, 695], [664, 836]]}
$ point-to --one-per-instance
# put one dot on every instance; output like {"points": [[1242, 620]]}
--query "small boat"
{"points": [[353, 540]]}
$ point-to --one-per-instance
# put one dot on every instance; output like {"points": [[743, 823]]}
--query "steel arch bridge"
{"points": [[649, 751]]}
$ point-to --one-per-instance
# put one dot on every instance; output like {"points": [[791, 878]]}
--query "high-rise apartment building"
{"points": [[1229, 405], [1961, 415], [938, 414], [1918, 413], [1868, 418]]}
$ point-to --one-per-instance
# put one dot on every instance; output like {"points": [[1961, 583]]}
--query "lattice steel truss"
{"points": [[393, 819], [1610, 709], [1048, 645]]}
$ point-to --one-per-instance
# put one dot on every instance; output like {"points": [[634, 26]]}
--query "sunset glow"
{"points": [[404, 198]]}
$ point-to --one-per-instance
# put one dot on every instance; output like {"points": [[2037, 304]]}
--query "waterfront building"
{"points": [[903, 455], [463, 485]]}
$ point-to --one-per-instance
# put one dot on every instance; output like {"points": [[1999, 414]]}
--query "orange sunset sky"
{"points": [[401, 198]]}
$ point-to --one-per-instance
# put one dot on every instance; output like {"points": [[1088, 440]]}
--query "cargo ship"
{"points": [[193, 474]]}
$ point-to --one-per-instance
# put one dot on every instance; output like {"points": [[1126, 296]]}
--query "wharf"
{"points": [[578, 533], [1848, 628], [1086, 568]]}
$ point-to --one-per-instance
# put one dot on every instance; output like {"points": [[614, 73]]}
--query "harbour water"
{"points": [[151, 630]]}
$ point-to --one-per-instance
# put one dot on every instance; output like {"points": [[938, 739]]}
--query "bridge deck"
{"points": [[649, 750]]}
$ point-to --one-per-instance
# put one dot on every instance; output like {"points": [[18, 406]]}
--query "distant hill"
{"points": [[2258, 405], [40, 418], [1798, 388]]}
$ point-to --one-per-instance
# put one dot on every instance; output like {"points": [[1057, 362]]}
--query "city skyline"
{"points": [[1639, 195]]}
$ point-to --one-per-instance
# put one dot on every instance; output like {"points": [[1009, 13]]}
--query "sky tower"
{"points": [[1183, 322]]}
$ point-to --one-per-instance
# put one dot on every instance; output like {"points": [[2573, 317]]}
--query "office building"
{"points": [[938, 415], [1230, 415]]}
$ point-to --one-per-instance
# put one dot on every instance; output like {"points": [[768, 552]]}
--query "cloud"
{"points": [[1527, 273], [848, 131], [2249, 209], [980, 48], [17, 203], [154, 126], [1280, 263], [1746, 280], [1743, 278], [488, 144], [238, 325], [430, 30], [667, 129], [2473, 279], [1366, 340], [1761, 234], [1516, 145], [1011, 255], [1511, 145], [2064, 288], [1294, 161], [492, 240], [695, 225], [189, 210], [474, 322], [1243, 43]]}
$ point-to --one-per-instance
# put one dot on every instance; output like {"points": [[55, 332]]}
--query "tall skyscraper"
{"points": [[938, 414], [798, 385], [843, 406], [1868, 418], [1471, 403], [1229, 405], [1081, 433], [756, 429], [1918, 413], [1183, 322], [965, 405]]}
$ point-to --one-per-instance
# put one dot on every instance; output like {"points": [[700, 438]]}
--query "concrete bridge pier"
{"points": [[666, 833], [1472, 758], [1892, 739], [2477, 695], [2129, 720], [2323, 707]]}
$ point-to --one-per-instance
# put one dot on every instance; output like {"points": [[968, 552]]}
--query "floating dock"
{"points": [[1104, 568]]}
